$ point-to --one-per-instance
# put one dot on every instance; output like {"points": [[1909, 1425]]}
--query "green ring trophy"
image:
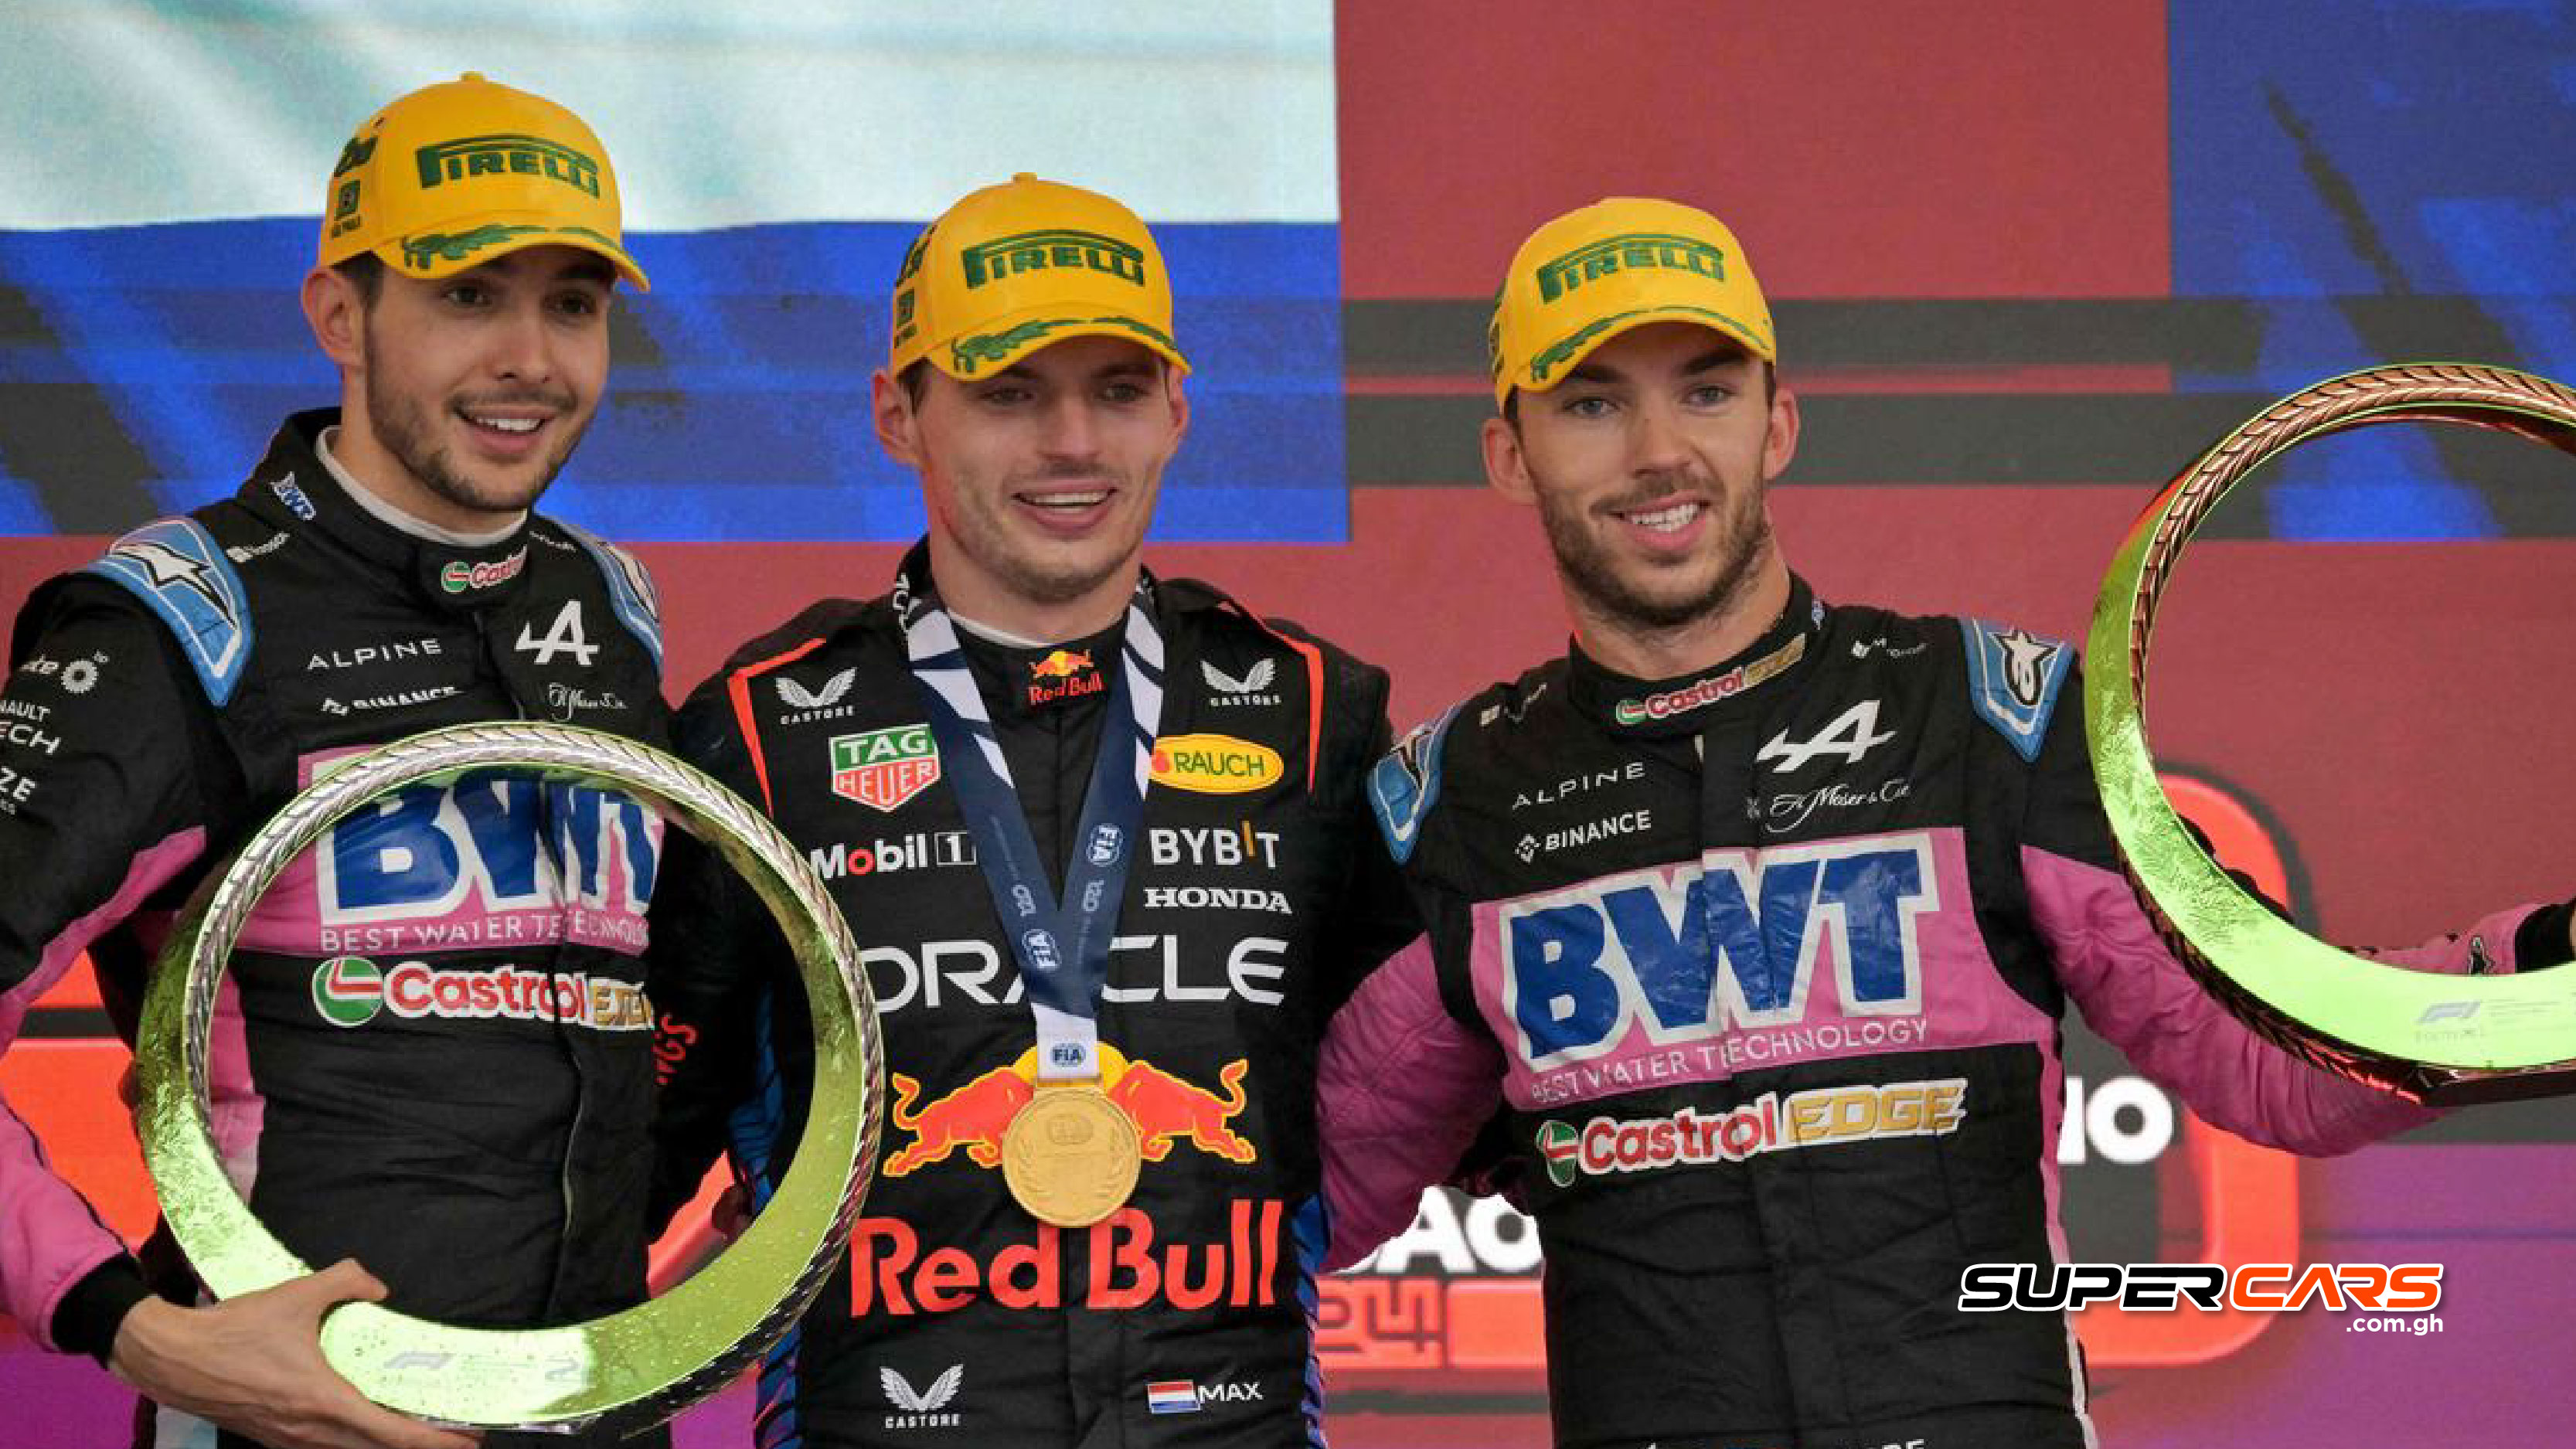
{"points": [[2435, 1038], [630, 1368]]}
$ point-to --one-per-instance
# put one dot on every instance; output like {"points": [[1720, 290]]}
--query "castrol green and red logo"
{"points": [[348, 990], [352, 991], [460, 577]]}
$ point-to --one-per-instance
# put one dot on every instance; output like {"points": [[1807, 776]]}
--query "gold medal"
{"points": [[1070, 1156]]}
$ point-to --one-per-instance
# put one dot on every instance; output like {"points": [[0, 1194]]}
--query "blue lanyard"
{"points": [[1060, 946]]}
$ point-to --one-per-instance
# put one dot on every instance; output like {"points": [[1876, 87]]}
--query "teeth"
{"points": [[1666, 520], [509, 425], [1070, 500]]}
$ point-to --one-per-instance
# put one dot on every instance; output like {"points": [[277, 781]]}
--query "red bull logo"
{"points": [[1062, 664], [1167, 1109], [1127, 1267], [1064, 674]]}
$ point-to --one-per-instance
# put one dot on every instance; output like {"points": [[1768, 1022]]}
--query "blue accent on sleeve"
{"points": [[630, 589], [2014, 678], [1406, 784], [178, 570]]}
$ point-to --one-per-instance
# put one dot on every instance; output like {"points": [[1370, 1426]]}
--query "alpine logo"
{"points": [[1852, 735], [565, 636], [921, 1408]]}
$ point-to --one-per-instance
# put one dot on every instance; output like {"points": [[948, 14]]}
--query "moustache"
{"points": [[1655, 488]]}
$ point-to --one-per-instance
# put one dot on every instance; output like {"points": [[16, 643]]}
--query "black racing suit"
{"points": [[432, 1051], [1764, 967], [957, 1318]]}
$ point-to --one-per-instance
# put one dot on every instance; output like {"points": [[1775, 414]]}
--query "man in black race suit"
{"points": [[432, 1055], [1026, 669], [1755, 917]]}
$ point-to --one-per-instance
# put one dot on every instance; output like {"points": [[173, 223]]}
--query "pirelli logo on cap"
{"points": [[502, 155], [1039, 251], [1215, 764]]}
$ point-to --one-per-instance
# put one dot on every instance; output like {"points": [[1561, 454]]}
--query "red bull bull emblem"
{"points": [[1167, 1110], [1064, 674]]}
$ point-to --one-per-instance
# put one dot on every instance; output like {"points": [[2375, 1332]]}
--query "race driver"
{"points": [[1096, 833], [432, 1058], [1755, 916]]}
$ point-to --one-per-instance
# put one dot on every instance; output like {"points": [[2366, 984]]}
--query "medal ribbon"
{"points": [[1060, 947]]}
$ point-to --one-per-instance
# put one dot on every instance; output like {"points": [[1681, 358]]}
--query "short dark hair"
{"points": [[366, 272], [1770, 390]]}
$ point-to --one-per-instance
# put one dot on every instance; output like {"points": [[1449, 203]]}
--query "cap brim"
{"points": [[997, 344], [1559, 359], [431, 255]]}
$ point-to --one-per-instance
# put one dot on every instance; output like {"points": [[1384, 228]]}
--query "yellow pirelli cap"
{"points": [[1618, 264], [1012, 268], [458, 173]]}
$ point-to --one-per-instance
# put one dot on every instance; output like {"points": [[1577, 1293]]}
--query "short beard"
{"points": [[404, 431], [1584, 562]]}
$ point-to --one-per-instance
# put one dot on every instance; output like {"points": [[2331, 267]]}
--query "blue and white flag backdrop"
{"points": [[165, 165]]}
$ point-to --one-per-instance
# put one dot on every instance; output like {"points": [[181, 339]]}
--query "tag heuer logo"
{"points": [[348, 990], [883, 768]]}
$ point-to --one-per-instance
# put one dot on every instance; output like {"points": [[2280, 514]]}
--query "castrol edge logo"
{"points": [[1769, 1123], [351, 991]]}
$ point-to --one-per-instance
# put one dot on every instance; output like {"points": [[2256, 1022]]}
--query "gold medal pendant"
{"points": [[1070, 1156]]}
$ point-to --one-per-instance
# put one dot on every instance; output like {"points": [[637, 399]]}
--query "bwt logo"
{"points": [[489, 841], [1734, 941]]}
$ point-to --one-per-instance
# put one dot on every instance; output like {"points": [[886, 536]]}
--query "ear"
{"points": [[1506, 467], [337, 313], [898, 427], [1780, 442], [1180, 400]]}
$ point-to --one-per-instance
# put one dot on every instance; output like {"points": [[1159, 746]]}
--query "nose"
{"points": [[1071, 431], [522, 344], [1656, 442]]}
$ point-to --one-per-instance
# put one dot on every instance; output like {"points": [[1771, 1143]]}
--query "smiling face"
{"points": [[1040, 478], [1650, 465], [464, 396]]}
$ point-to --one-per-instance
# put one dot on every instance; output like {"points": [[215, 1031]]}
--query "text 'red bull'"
{"points": [[1127, 1269]]}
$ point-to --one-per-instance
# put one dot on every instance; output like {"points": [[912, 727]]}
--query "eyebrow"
{"points": [[1716, 357]]}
